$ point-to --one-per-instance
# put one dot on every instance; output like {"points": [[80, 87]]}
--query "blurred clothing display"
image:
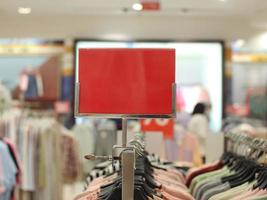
{"points": [[69, 157], [237, 175], [8, 172], [84, 134], [31, 84], [153, 179], [199, 126], [106, 137], [48, 152], [184, 148], [5, 98], [67, 88], [15, 157], [183, 118]]}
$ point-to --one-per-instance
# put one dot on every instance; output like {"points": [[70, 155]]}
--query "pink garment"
{"points": [[260, 193], [250, 194], [180, 102], [246, 194], [167, 196], [177, 192], [168, 182], [178, 174], [171, 184]]}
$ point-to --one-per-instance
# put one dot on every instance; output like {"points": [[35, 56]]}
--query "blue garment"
{"points": [[9, 170], [67, 83], [32, 90]]}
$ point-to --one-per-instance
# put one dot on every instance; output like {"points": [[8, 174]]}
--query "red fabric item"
{"points": [[126, 81], [165, 126], [201, 170]]}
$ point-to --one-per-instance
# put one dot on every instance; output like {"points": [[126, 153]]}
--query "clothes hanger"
{"points": [[113, 191], [247, 177], [142, 189], [262, 177], [247, 174], [239, 163]]}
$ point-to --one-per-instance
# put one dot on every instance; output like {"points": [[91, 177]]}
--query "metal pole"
{"points": [[128, 163], [124, 132]]}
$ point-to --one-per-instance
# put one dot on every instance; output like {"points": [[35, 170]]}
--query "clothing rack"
{"points": [[251, 146], [153, 179], [127, 157], [39, 139], [240, 173], [244, 127]]}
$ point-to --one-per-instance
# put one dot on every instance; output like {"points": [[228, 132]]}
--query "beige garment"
{"points": [[199, 126], [51, 179], [71, 169]]}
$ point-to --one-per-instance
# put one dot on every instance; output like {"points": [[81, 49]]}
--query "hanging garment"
{"points": [[14, 154], [9, 171], [106, 133], [69, 158], [233, 177], [84, 134]]}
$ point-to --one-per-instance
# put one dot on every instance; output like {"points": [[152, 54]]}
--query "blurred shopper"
{"points": [[199, 125]]}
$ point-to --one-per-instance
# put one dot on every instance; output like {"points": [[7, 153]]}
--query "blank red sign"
{"points": [[126, 81]]}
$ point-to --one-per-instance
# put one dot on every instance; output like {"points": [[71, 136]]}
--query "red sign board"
{"points": [[165, 126], [126, 82], [150, 4]]}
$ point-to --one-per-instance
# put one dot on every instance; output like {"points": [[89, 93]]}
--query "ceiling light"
{"points": [[137, 6], [237, 44], [222, 0], [24, 10], [240, 42]]}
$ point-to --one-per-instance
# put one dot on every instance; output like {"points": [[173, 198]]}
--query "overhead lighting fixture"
{"points": [[24, 10], [237, 44], [137, 7], [222, 0]]}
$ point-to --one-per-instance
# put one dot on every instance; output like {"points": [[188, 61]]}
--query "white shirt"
{"points": [[199, 125]]}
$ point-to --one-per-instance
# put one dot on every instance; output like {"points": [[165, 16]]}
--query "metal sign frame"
{"points": [[109, 115]]}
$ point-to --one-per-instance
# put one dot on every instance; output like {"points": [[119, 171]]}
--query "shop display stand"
{"points": [[127, 158], [126, 152], [127, 155]]}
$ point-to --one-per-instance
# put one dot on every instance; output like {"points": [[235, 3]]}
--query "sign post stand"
{"points": [[105, 76]]}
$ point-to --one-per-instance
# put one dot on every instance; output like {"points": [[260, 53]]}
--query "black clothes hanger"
{"points": [[144, 184], [248, 177], [113, 190], [264, 184], [261, 179], [241, 168]]}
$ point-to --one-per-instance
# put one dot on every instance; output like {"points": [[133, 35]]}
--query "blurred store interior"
{"points": [[220, 61]]}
